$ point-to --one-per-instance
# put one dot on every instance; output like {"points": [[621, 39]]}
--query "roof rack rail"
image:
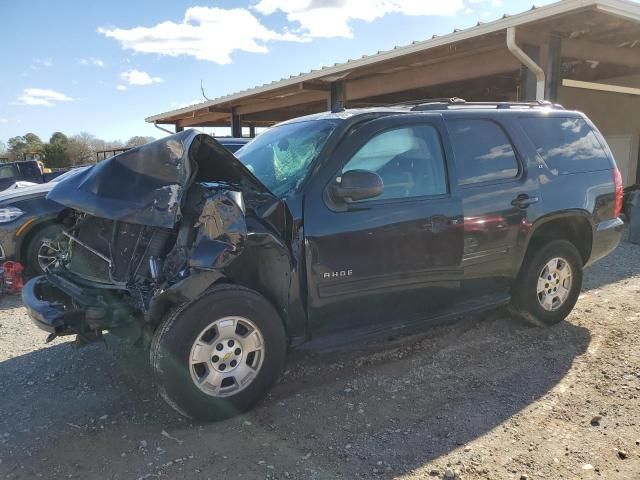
{"points": [[424, 101], [445, 103]]}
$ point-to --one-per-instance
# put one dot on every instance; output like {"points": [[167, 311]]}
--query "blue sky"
{"points": [[102, 67]]}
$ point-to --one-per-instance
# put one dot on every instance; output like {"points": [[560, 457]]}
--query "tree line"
{"points": [[62, 150]]}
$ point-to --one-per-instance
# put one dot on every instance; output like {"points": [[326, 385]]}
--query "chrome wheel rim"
{"points": [[226, 356], [50, 253], [554, 284]]}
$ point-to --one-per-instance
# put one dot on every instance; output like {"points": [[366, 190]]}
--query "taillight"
{"points": [[617, 180]]}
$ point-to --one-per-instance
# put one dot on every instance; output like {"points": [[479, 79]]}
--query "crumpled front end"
{"points": [[145, 230], [117, 272]]}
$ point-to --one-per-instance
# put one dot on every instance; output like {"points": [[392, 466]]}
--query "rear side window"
{"points": [[8, 171], [483, 151], [567, 145], [30, 169]]}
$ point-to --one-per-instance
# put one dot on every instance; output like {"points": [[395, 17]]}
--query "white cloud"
{"points": [[43, 62], [39, 64], [493, 3], [122, 88], [4, 120], [332, 18], [41, 96], [186, 104], [205, 33], [96, 62], [213, 34], [138, 77]]}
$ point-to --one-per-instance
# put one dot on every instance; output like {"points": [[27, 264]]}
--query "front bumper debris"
{"points": [[60, 307]]}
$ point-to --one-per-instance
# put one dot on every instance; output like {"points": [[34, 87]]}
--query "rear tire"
{"points": [[549, 283], [190, 348]]}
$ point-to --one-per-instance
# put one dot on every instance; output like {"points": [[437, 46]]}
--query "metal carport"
{"points": [[584, 54]]}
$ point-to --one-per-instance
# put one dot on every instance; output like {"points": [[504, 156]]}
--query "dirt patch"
{"points": [[482, 398]]}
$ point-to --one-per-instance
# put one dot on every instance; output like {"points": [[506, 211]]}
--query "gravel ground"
{"points": [[482, 398]]}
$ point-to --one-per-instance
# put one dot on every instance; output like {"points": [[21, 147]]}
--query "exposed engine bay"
{"points": [[131, 257]]}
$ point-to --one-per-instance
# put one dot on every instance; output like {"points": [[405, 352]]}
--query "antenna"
{"points": [[202, 91]]}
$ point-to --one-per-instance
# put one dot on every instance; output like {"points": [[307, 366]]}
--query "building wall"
{"points": [[618, 118]]}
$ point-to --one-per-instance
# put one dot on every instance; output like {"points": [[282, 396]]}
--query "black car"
{"points": [[26, 171], [353, 220], [233, 144], [28, 229]]}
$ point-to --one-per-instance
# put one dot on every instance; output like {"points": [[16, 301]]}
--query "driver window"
{"points": [[409, 160]]}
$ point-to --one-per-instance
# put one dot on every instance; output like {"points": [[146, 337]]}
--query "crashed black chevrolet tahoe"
{"points": [[352, 221]]}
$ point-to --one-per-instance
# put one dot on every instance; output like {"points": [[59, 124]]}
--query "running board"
{"points": [[344, 338]]}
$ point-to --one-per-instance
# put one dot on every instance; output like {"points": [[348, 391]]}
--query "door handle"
{"points": [[523, 201]]}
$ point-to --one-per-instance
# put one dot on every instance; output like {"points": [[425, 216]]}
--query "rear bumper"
{"points": [[606, 238], [57, 306]]}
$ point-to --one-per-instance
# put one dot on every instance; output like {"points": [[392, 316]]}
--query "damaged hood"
{"points": [[147, 184]]}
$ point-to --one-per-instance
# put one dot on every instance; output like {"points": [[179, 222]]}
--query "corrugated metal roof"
{"points": [[622, 8]]}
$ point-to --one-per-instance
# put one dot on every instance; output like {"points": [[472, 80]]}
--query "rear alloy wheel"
{"points": [[549, 283], [554, 284], [218, 355]]}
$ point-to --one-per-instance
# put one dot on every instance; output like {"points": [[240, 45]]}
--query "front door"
{"points": [[389, 258]]}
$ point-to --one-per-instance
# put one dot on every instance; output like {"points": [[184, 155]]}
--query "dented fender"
{"points": [[222, 231], [180, 292]]}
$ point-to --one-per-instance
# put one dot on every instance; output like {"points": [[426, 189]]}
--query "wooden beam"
{"points": [[586, 50], [603, 87], [336, 95], [466, 68], [219, 110], [203, 119], [278, 103], [236, 124], [317, 86]]}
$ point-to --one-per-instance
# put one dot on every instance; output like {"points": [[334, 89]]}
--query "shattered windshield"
{"points": [[280, 157]]}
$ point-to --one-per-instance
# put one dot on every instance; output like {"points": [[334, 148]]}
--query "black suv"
{"points": [[352, 220]]}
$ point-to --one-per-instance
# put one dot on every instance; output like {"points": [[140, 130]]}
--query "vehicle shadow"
{"points": [[386, 405], [625, 263]]}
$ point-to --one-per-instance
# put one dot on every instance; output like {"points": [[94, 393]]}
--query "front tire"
{"points": [[44, 250], [217, 356], [549, 283]]}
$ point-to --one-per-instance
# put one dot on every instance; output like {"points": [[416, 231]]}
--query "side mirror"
{"points": [[357, 185]]}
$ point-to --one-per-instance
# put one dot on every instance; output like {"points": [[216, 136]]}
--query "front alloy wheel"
{"points": [[227, 356], [217, 355], [50, 253], [45, 250]]}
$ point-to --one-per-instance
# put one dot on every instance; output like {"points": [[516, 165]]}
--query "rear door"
{"points": [[500, 195], [8, 175], [387, 259], [30, 171]]}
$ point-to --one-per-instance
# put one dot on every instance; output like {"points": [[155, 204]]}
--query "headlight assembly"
{"points": [[9, 214]]}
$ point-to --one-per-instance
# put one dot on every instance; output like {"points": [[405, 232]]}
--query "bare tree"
{"points": [[81, 148], [138, 141]]}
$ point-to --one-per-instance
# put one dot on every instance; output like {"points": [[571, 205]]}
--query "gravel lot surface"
{"points": [[482, 398]]}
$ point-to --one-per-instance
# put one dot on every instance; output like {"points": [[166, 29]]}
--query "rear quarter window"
{"points": [[8, 171], [30, 170], [567, 145], [483, 151]]}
